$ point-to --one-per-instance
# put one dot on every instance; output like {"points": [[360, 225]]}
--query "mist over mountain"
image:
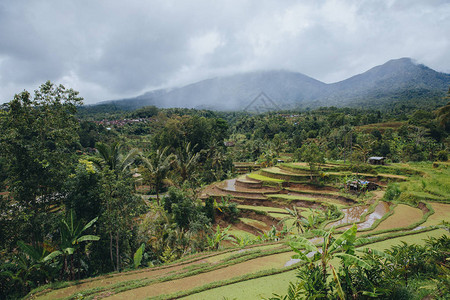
{"points": [[398, 79]]}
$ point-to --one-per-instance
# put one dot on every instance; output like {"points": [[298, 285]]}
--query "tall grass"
{"points": [[432, 185]]}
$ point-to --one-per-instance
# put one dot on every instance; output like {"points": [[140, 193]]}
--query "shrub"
{"points": [[393, 192], [228, 209], [442, 155], [332, 212], [209, 209], [183, 209], [401, 293]]}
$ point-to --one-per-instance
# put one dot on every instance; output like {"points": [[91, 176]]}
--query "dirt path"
{"points": [[393, 176], [251, 266]]}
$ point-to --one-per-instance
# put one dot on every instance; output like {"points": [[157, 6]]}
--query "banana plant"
{"points": [[31, 266], [311, 222], [137, 258], [243, 241], [342, 247], [219, 236], [296, 216], [71, 232]]}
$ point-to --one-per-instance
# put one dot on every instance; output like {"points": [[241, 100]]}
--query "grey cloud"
{"points": [[114, 49]]}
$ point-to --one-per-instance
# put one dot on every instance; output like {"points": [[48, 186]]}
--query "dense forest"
{"points": [[93, 190]]}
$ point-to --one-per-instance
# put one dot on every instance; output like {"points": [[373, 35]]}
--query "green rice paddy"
{"points": [[258, 273]]}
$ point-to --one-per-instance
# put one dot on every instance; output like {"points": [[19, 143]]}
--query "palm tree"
{"points": [[186, 161], [217, 159], [158, 168], [112, 158], [71, 236], [363, 150], [342, 151]]}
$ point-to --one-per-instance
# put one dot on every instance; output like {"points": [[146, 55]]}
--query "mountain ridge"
{"points": [[296, 90]]}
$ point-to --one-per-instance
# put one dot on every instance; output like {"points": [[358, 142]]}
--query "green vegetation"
{"points": [[146, 197], [432, 185], [381, 274], [313, 155]]}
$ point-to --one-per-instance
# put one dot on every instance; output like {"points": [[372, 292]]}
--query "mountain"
{"points": [[234, 92], [396, 80], [399, 76]]}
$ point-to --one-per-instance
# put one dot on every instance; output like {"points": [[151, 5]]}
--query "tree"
{"points": [[38, 140], [278, 143], [32, 269], [443, 113], [145, 112], [363, 147], [311, 153], [186, 161], [218, 161], [181, 207], [112, 158], [121, 205], [312, 221], [361, 152], [157, 168], [83, 191]]}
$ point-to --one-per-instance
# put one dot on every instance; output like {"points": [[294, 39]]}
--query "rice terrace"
{"points": [[275, 204]]}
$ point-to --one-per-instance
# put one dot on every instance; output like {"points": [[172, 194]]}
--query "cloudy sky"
{"points": [[115, 49]]}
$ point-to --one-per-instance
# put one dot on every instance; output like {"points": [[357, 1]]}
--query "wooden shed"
{"points": [[376, 160]]}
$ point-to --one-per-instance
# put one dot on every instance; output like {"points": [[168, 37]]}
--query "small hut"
{"points": [[361, 185], [376, 160]]}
